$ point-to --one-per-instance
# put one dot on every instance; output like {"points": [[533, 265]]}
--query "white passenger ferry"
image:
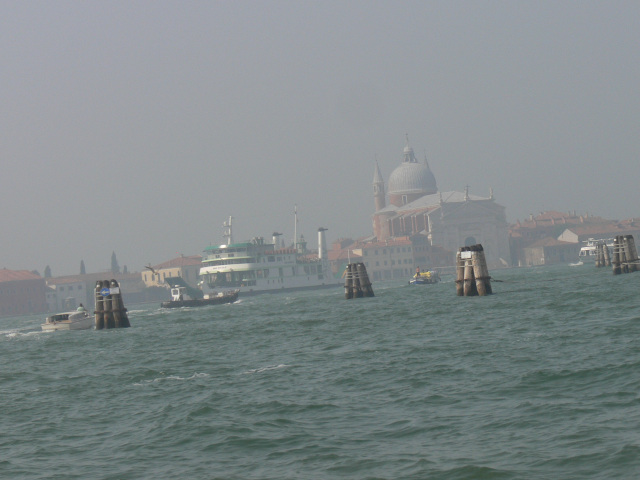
{"points": [[588, 251], [259, 266]]}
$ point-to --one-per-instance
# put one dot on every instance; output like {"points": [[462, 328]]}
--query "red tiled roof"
{"points": [[629, 223], [551, 214], [607, 229], [181, 261], [341, 243], [551, 218], [549, 242], [15, 275], [344, 254]]}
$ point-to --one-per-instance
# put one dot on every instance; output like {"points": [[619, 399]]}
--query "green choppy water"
{"points": [[539, 381]]}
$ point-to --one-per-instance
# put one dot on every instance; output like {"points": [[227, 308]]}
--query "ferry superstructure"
{"points": [[258, 266]]}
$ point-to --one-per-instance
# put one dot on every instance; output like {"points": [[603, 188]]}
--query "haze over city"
{"points": [[140, 127]]}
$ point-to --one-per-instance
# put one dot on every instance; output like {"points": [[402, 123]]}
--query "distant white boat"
{"points": [[588, 251], [78, 320]]}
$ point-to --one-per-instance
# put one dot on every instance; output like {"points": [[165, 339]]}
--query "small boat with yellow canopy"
{"points": [[425, 278]]}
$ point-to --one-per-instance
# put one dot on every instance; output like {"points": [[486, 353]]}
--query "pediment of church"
{"points": [[472, 210]]}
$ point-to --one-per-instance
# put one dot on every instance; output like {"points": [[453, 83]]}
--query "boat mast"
{"points": [[228, 232]]}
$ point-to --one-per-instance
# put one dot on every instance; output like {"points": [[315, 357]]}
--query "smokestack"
{"points": [[275, 236], [322, 243]]}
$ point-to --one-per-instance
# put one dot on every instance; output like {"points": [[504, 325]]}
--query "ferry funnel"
{"points": [[322, 243], [276, 242]]}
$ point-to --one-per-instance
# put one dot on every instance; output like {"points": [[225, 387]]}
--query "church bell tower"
{"points": [[378, 189]]}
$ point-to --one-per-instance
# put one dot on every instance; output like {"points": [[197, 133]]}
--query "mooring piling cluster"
{"points": [[625, 255], [110, 311], [603, 256], [472, 274], [356, 282]]}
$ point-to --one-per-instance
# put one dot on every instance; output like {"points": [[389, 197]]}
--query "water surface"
{"points": [[540, 380]]}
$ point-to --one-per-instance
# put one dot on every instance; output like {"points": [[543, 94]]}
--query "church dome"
{"points": [[412, 177]]}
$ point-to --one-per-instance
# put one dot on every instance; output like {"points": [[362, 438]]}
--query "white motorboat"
{"points": [[588, 251], [78, 320]]}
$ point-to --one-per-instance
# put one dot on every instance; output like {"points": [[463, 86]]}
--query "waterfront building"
{"points": [[394, 258], [66, 293], [21, 293], [398, 257], [342, 254], [556, 237], [549, 251], [186, 267], [582, 233]]}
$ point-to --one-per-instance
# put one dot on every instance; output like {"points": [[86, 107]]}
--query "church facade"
{"points": [[414, 206]]}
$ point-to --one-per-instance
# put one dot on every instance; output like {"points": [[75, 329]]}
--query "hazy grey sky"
{"points": [[138, 127]]}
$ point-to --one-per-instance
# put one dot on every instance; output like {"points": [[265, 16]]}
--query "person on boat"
{"points": [[81, 308], [417, 272]]}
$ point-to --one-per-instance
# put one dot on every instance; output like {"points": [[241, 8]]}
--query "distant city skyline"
{"points": [[141, 127]]}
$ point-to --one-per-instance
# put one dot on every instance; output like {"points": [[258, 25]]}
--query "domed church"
{"points": [[449, 219]]}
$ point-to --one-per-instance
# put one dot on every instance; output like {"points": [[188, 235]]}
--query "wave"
{"points": [[170, 378], [21, 333], [266, 369]]}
